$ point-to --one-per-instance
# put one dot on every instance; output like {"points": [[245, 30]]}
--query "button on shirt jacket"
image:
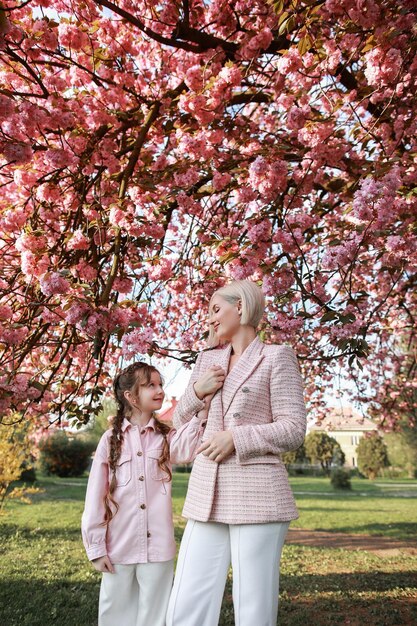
{"points": [[261, 403], [142, 530]]}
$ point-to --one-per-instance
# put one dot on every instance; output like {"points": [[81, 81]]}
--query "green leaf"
{"points": [[284, 26], [348, 318], [343, 343], [329, 315], [304, 45], [37, 385], [226, 258], [277, 5], [283, 17]]}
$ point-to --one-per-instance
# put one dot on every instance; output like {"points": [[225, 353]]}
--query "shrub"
{"points": [[339, 456], [372, 455], [65, 456], [98, 424], [402, 449], [340, 479], [28, 473], [15, 456], [183, 469], [293, 457], [394, 472], [321, 448]]}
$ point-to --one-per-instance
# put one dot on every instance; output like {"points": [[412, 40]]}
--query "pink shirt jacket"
{"points": [[142, 530], [262, 404]]}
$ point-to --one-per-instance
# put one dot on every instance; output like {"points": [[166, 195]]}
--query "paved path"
{"points": [[382, 546], [370, 494]]}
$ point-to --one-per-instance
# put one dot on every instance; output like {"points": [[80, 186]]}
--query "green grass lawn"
{"points": [[380, 507], [46, 579]]}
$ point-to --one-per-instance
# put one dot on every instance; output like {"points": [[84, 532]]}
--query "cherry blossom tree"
{"points": [[151, 151]]}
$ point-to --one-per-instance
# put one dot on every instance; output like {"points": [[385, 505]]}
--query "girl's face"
{"points": [[224, 317], [147, 397]]}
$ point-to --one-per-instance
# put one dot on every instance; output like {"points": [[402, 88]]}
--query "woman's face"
{"points": [[224, 318]]}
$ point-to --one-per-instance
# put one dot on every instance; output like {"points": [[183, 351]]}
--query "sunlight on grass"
{"points": [[46, 579]]}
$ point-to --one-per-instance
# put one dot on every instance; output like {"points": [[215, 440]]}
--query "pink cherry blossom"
{"points": [[78, 241], [140, 171], [53, 283], [137, 342]]}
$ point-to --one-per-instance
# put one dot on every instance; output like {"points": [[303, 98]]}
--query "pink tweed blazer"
{"points": [[262, 404]]}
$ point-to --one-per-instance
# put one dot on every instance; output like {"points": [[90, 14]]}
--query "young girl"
{"points": [[127, 527]]}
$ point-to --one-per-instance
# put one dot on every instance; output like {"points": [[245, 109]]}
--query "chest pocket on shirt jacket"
{"points": [[155, 472], [123, 470]]}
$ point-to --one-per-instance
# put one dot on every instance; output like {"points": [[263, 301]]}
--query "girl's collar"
{"points": [[126, 423]]}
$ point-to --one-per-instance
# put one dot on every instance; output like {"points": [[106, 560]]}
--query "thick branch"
{"points": [[132, 19], [152, 115]]}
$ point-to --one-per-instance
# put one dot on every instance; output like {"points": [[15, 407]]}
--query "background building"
{"points": [[347, 426], [167, 411]]}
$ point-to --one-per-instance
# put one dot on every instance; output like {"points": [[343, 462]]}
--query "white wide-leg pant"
{"points": [[135, 595], [206, 551]]}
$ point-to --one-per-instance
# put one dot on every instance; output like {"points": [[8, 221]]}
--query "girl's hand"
{"points": [[210, 381], [103, 564], [207, 399], [219, 447]]}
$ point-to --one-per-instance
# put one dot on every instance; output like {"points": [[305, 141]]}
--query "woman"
{"points": [[239, 503]]}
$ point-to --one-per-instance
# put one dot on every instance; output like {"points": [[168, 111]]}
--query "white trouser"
{"points": [[135, 595], [206, 550]]}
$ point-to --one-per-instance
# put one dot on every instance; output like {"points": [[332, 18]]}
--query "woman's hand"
{"points": [[210, 381], [219, 447], [103, 564]]}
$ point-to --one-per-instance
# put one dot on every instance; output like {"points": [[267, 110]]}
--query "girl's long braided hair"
{"points": [[130, 379]]}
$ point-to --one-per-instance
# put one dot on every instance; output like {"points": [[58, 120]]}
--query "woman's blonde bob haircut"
{"points": [[253, 304]]}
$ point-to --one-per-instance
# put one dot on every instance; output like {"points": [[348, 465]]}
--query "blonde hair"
{"points": [[253, 304]]}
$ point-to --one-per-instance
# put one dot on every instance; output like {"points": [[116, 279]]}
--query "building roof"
{"points": [[166, 414], [344, 418]]}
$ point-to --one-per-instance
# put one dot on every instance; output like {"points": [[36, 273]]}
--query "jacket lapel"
{"points": [[245, 365], [221, 358]]}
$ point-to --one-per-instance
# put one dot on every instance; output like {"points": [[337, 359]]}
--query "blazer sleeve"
{"points": [[189, 403], [289, 420], [94, 535]]}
